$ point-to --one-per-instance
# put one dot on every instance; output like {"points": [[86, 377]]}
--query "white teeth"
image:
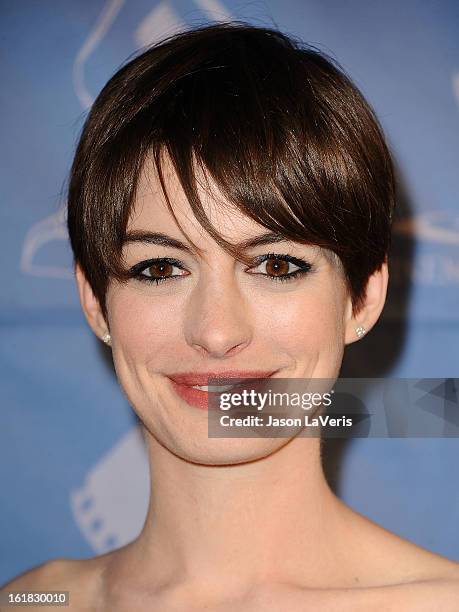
{"points": [[214, 388]]}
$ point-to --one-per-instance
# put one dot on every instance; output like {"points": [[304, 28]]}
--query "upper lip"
{"points": [[202, 378]]}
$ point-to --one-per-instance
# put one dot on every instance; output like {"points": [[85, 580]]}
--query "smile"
{"points": [[195, 389]]}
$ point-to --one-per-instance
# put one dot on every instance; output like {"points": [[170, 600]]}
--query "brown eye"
{"points": [[277, 267], [160, 269]]}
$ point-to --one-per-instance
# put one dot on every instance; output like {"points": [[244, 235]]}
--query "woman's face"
{"points": [[214, 314]]}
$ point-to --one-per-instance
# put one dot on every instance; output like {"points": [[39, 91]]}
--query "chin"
{"points": [[225, 451]]}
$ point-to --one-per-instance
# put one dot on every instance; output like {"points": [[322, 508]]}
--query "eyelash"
{"points": [[304, 268]]}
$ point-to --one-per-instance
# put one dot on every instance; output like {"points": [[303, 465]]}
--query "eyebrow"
{"points": [[165, 240]]}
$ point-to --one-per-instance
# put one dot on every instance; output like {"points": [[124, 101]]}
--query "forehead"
{"points": [[150, 210]]}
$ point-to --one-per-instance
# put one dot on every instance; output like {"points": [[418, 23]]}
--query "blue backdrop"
{"points": [[73, 472]]}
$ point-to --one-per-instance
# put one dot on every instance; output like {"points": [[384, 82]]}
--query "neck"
{"points": [[270, 520]]}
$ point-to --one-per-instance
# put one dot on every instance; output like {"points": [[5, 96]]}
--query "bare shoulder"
{"points": [[439, 587], [80, 577], [423, 571], [440, 594], [43, 576], [390, 570], [437, 592]]}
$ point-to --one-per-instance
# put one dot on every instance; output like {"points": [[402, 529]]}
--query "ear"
{"points": [[90, 304], [375, 297]]}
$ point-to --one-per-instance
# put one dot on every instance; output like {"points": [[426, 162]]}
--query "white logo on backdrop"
{"points": [[101, 27], [48, 230], [162, 21], [434, 226], [111, 505], [431, 267]]}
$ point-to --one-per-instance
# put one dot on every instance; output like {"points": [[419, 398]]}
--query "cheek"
{"points": [[306, 327], [311, 318], [142, 328]]}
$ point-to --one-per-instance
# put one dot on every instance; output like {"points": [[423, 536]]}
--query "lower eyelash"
{"points": [[289, 276], [157, 280]]}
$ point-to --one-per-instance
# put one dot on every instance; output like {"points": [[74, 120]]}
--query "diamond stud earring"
{"points": [[107, 338], [360, 331]]}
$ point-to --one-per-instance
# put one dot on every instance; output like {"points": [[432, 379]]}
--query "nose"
{"points": [[217, 318]]}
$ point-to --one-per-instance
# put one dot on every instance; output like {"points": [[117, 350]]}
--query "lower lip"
{"points": [[196, 397]]}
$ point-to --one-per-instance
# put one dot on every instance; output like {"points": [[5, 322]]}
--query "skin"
{"points": [[237, 524]]}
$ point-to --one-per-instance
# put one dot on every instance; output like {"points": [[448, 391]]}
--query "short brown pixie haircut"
{"points": [[280, 128]]}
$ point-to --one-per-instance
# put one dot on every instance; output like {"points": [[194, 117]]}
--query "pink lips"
{"points": [[182, 384]]}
